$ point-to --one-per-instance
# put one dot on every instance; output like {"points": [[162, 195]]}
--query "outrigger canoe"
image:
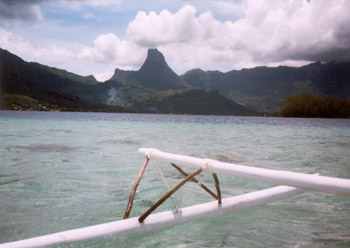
{"points": [[292, 184]]}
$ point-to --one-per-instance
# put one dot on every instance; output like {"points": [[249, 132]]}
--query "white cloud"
{"points": [[180, 36], [149, 30], [109, 49], [52, 55], [104, 74], [268, 32], [271, 32]]}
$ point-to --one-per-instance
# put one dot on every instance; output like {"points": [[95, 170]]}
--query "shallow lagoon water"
{"points": [[60, 171]]}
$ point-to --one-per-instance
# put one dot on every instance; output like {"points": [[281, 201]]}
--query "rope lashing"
{"points": [[199, 183], [206, 165], [196, 181], [176, 202], [150, 152], [167, 195]]}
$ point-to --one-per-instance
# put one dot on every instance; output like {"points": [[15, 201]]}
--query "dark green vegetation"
{"points": [[31, 86], [155, 88], [315, 106], [26, 86], [264, 89], [67, 75], [199, 102]]}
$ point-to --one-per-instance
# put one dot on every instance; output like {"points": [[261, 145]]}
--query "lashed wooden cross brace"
{"points": [[216, 197], [167, 195], [171, 192], [188, 177]]}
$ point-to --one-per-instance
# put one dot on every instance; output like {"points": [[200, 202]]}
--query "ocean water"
{"points": [[60, 171]]}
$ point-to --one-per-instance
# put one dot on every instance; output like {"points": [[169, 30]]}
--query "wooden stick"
{"points": [[217, 186], [196, 181], [132, 194], [167, 195]]}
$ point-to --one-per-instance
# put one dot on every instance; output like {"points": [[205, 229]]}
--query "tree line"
{"points": [[315, 106]]}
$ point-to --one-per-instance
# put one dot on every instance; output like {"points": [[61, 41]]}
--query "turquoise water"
{"points": [[60, 171]]}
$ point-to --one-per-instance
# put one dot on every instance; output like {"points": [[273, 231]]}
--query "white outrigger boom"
{"points": [[324, 184], [296, 184]]}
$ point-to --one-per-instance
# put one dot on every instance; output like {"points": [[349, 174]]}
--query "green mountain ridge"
{"points": [[121, 75], [156, 88], [31, 83], [201, 103], [33, 86], [89, 80], [263, 89]]}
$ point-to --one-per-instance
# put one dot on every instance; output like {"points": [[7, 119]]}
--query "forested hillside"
{"points": [[315, 106]]}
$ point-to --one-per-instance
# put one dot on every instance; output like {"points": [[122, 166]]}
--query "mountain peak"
{"points": [[154, 60], [156, 74], [154, 54]]}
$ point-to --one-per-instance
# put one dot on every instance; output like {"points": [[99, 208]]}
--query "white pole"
{"points": [[325, 184], [161, 220]]}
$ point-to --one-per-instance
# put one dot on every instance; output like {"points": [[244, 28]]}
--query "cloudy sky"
{"points": [[96, 36]]}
